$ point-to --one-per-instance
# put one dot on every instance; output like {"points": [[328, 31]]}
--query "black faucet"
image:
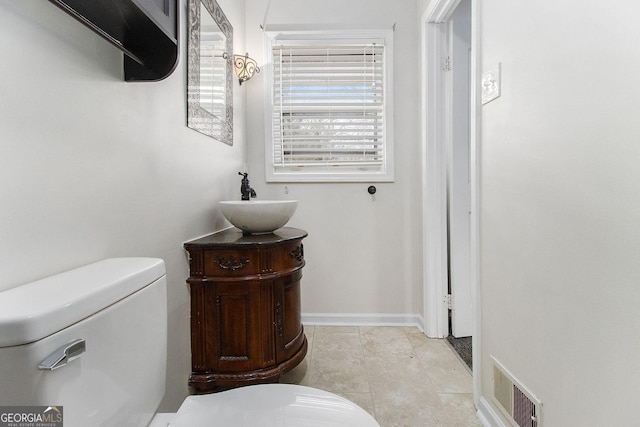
{"points": [[245, 189]]}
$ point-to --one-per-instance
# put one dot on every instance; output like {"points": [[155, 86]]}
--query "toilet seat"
{"points": [[271, 405]]}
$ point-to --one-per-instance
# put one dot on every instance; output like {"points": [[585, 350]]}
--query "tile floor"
{"points": [[397, 374]]}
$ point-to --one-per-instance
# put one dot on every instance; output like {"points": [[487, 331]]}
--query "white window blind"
{"points": [[328, 105]]}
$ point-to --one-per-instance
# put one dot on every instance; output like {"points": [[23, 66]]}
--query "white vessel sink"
{"points": [[258, 216]]}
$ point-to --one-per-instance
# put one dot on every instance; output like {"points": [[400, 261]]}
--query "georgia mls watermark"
{"points": [[31, 416]]}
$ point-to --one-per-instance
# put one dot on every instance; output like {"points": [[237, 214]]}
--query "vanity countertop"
{"points": [[234, 236]]}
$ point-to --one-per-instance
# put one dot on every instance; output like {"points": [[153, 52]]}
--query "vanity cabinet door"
{"points": [[228, 324], [288, 322], [238, 325]]}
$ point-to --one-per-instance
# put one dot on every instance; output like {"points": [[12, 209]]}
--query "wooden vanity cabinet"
{"points": [[246, 323]]}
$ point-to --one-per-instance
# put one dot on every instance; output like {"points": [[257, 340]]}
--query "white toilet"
{"points": [[92, 342]]}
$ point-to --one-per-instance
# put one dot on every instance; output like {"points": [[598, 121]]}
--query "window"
{"points": [[329, 106]]}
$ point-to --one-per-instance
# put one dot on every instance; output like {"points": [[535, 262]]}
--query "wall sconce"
{"points": [[245, 67]]}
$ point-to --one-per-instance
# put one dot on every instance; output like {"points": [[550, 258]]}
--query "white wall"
{"points": [[92, 167], [363, 253], [560, 206]]}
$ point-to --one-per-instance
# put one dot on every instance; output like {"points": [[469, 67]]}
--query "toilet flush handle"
{"points": [[63, 355]]}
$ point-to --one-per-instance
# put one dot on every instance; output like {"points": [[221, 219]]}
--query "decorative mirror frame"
{"points": [[197, 117]]}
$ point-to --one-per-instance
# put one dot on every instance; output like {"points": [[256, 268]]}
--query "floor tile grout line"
{"points": [[365, 357], [426, 377]]}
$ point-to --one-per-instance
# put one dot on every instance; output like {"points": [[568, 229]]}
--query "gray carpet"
{"points": [[462, 346]]}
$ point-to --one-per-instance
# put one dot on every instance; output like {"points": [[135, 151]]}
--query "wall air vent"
{"points": [[520, 406]]}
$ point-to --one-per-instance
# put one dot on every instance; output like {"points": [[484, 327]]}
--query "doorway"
{"points": [[449, 174], [457, 120]]}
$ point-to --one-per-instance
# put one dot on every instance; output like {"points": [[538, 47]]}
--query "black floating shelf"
{"points": [[145, 30]]}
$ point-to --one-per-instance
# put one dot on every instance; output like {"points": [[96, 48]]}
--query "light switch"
{"points": [[491, 85]]}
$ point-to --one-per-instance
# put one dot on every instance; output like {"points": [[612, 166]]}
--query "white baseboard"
{"points": [[488, 417], [369, 319]]}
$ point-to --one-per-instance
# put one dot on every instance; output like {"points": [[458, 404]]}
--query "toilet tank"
{"points": [[114, 312]]}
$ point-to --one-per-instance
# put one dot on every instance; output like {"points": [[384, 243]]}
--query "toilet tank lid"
{"points": [[38, 309]]}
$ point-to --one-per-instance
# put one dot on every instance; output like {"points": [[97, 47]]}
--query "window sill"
{"points": [[328, 176]]}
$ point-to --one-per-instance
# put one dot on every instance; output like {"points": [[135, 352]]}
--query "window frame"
{"points": [[383, 173]]}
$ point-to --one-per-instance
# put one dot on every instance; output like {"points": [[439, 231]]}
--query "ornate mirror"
{"points": [[209, 77]]}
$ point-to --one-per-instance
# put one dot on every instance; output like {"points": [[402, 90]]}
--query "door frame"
{"points": [[434, 185]]}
